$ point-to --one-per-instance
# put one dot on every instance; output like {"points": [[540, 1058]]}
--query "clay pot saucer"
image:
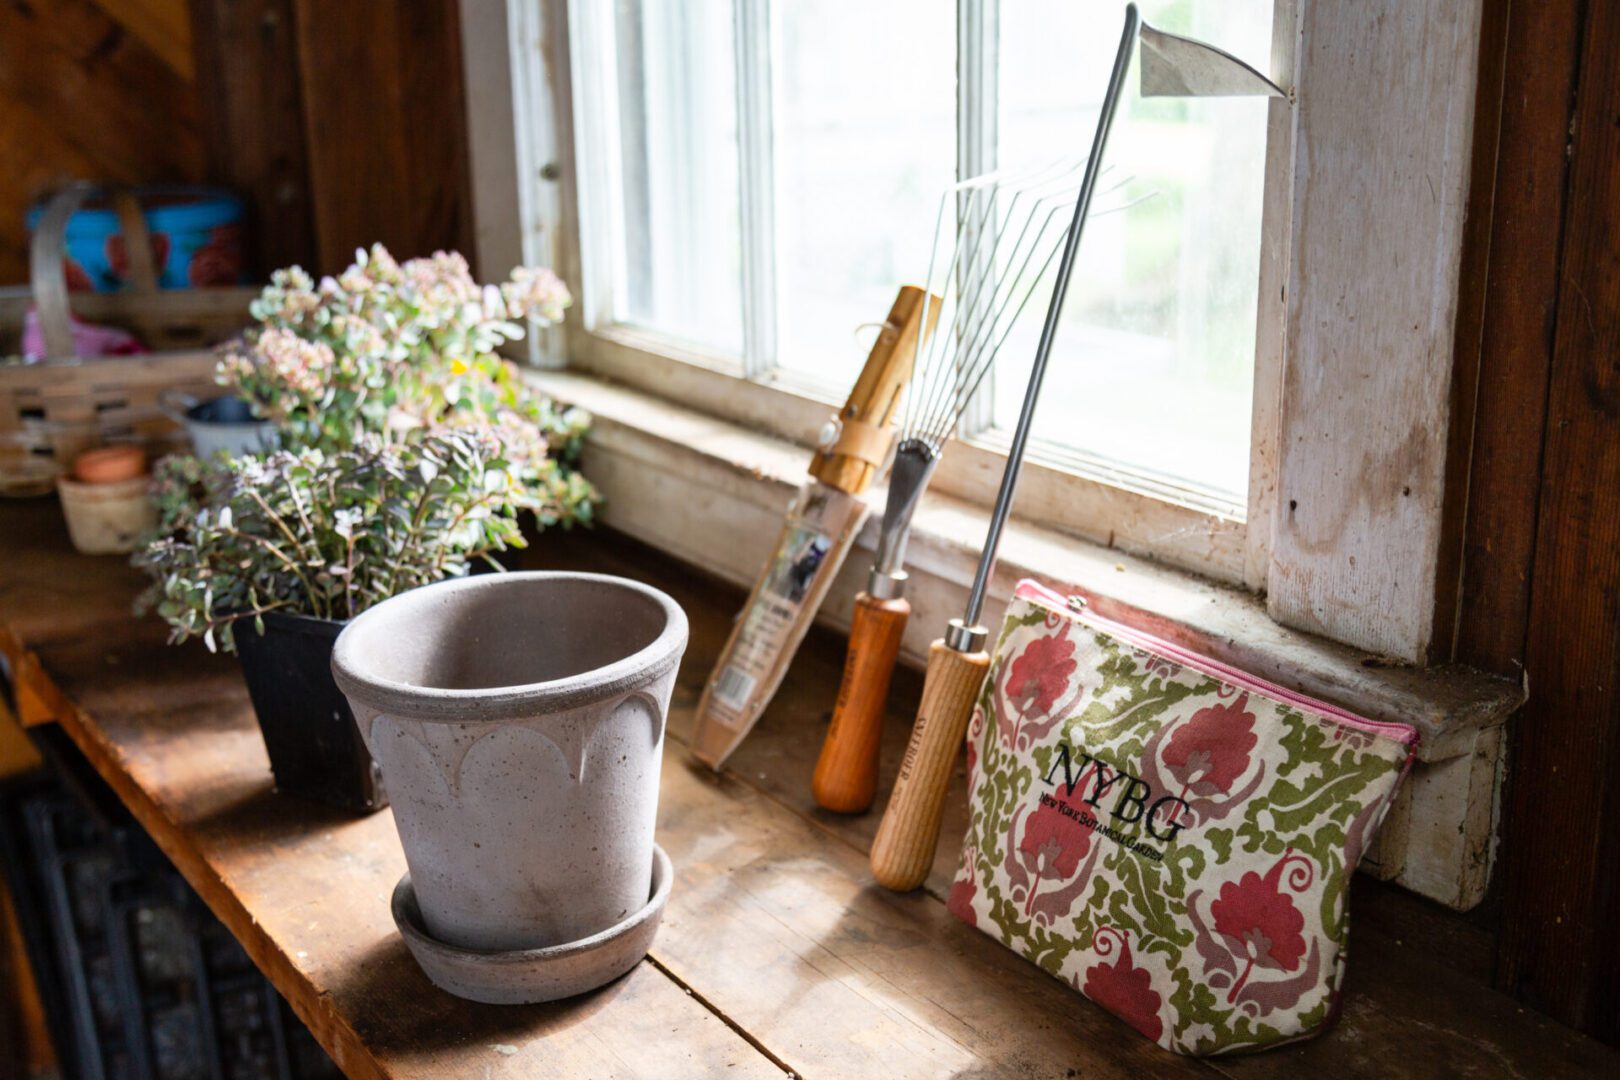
{"points": [[529, 976]]}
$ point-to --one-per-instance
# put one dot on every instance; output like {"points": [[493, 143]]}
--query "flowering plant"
{"points": [[319, 533], [408, 448], [394, 350]]}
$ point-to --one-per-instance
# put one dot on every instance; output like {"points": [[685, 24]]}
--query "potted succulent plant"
{"points": [[408, 453]]}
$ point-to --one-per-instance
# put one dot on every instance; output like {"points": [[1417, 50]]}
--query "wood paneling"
{"points": [[85, 93], [1561, 849], [247, 62], [1516, 335], [341, 124], [1472, 298], [386, 127]]}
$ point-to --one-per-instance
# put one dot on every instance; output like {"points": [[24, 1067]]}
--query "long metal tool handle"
{"points": [[1060, 289]]}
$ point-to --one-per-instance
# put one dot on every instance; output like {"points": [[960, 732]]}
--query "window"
{"points": [[757, 178]]}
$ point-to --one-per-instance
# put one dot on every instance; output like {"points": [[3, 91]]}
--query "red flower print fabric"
{"points": [[1055, 841], [1261, 923], [1123, 988], [1210, 751], [1041, 675], [1168, 836]]}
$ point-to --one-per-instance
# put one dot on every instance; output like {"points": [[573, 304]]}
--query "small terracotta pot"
{"points": [[519, 723], [110, 464], [107, 519]]}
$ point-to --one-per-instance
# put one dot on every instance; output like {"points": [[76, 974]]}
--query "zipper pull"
{"points": [[1077, 603]]}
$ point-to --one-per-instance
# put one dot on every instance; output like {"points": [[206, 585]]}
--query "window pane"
{"points": [[677, 143], [1154, 362], [865, 141]]}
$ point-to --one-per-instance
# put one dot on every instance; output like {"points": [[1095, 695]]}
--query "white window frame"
{"points": [[1068, 491], [1382, 112]]}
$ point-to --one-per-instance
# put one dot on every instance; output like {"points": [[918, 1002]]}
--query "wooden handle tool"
{"points": [[903, 852], [905, 843], [845, 779]]}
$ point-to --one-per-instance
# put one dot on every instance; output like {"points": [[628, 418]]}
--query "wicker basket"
{"points": [[51, 411]]}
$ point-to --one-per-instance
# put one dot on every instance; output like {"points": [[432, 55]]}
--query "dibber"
{"points": [[904, 849]]}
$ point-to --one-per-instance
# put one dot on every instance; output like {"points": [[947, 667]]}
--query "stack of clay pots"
{"points": [[106, 500]]}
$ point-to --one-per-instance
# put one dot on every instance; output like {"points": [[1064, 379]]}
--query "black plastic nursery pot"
{"points": [[315, 747]]}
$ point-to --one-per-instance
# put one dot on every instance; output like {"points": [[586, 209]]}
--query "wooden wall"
{"points": [[342, 123], [92, 88], [1540, 571]]}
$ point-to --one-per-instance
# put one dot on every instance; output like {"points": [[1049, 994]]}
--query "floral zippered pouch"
{"points": [[1168, 835]]}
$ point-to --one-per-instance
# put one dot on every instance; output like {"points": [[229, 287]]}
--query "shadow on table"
{"points": [[398, 1013]]}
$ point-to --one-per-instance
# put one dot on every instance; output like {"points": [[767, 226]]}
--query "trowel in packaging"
{"points": [[820, 528]]}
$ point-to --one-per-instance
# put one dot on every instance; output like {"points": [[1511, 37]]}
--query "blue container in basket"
{"points": [[196, 239]]}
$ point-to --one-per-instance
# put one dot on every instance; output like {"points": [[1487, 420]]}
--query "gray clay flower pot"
{"points": [[519, 722]]}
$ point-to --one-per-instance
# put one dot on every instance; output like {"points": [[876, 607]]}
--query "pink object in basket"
{"points": [[88, 339]]}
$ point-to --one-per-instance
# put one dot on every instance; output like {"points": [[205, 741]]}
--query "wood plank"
{"points": [[774, 924], [1416, 1000], [107, 94], [17, 755], [25, 1039], [1527, 229], [1468, 339], [780, 926], [191, 767], [164, 26], [1561, 849], [51, 160], [172, 733], [247, 60], [88, 100], [389, 165], [1372, 303]]}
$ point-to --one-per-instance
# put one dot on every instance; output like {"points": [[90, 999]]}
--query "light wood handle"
{"points": [[903, 852], [845, 779], [876, 393]]}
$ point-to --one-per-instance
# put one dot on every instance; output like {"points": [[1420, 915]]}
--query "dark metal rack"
{"points": [[139, 980]]}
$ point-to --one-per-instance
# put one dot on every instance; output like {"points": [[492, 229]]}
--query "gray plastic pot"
{"points": [[221, 423], [519, 723]]}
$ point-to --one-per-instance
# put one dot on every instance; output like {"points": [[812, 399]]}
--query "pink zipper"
{"points": [[1050, 598]]}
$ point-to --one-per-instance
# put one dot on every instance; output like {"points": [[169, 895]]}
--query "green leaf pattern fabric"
{"points": [[1173, 845]]}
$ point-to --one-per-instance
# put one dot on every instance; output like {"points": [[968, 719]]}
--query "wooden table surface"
{"points": [[777, 953]]}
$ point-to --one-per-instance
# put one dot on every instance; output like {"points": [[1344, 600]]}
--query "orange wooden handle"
{"points": [[845, 779], [903, 852]]}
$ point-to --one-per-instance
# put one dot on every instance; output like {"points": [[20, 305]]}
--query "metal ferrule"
{"points": [[891, 585], [962, 638], [914, 463]]}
